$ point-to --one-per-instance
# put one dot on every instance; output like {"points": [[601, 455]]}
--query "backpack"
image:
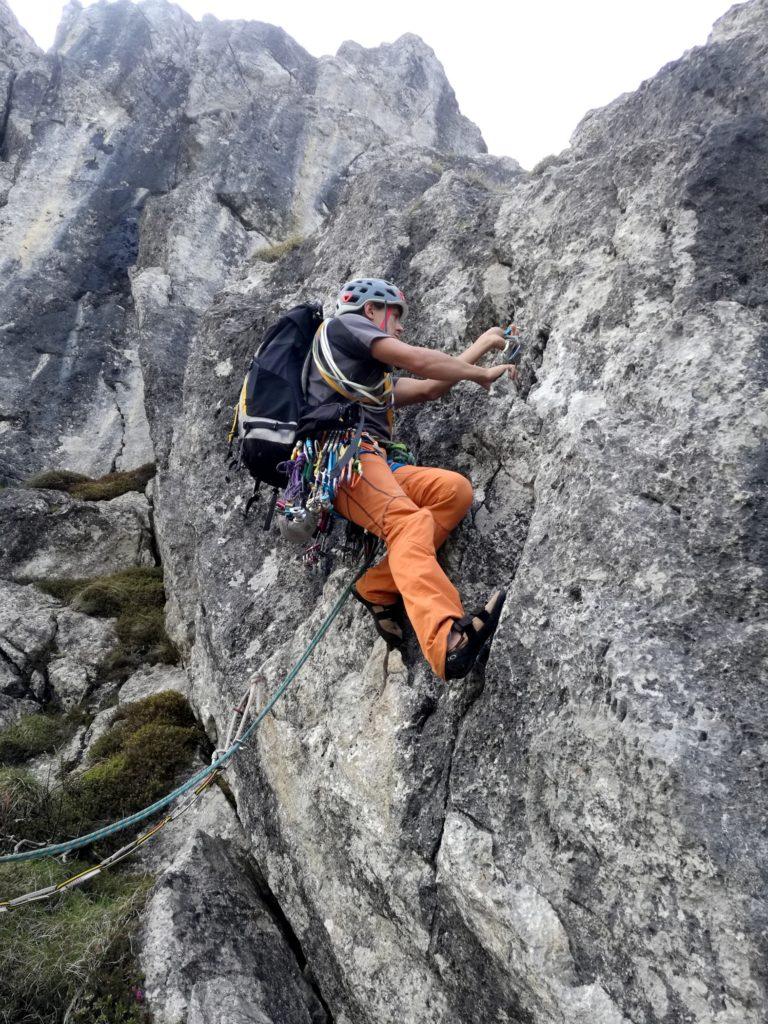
{"points": [[276, 430], [272, 400]]}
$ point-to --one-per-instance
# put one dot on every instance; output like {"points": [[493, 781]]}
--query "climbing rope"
{"points": [[237, 735]]}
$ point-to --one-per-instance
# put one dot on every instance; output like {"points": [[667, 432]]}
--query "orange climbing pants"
{"points": [[412, 509]]}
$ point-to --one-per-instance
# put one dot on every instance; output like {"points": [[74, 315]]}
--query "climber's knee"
{"points": [[412, 522], [462, 490]]}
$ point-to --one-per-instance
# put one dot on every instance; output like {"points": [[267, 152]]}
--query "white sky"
{"points": [[525, 71]]}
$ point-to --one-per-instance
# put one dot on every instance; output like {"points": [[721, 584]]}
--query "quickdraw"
{"points": [[514, 346], [316, 469]]}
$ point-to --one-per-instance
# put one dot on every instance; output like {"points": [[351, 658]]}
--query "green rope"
{"points": [[133, 819]]}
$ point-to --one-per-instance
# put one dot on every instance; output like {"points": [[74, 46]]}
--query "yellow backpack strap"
{"points": [[240, 404]]}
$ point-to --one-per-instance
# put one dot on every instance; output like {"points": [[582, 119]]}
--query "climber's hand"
{"points": [[493, 339], [493, 373]]}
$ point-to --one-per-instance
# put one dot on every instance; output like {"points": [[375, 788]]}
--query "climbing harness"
{"points": [[238, 733]]}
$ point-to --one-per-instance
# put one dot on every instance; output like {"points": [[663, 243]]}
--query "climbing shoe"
{"points": [[460, 661], [385, 617]]}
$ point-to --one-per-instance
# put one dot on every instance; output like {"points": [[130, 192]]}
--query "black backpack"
{"points": [[272, 399]]}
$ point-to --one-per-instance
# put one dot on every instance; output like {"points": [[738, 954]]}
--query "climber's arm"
{"points": [[413, 392]]}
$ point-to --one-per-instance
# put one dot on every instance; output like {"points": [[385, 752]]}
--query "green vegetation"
{"points": [[103, 488], [137, 761], [31, 811], [72, 954], [548, 161], [57, 480], [73, 948], [136, 598], [134, 763], [29, 737], [38, 734], [272, 253]]}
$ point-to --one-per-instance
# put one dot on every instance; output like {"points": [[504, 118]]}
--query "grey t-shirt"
{"points": [[352, 351]]}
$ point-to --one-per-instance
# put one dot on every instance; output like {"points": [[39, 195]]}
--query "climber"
{"points": [[412, 508]]}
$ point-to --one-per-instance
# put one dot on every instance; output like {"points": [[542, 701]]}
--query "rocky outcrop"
{"points": [[18, 54], [548, 841], [207, 928], [48, 653], [157, 155], [48, 534], [576, 831]]}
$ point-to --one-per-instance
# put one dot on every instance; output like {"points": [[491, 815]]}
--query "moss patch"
{"points": [[135, 598], [139, 758], [86, 488], [38, 734], [73, 948], [31, 736], [273, 253], [135, 762], [56, 480]]}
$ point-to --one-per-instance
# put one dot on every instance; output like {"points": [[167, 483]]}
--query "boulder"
{"points": [[49, 535]]}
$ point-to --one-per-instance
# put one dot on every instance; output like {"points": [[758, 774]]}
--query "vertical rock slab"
{"points": [[613, 757], [577, 834], [156, 155], [210, 950]]}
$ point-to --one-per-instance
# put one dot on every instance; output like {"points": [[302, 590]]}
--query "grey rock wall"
{"points": [[48, 534], [149, 157], [576, 832]]}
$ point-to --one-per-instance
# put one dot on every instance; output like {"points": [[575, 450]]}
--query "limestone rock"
{"points": [[48, 652], [18, 54], [176, 150], [210, 950], [593, 786], [48, 534], [151, 679], [576, 831]]}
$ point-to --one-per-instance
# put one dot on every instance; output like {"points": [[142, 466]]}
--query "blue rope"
{"points": [[158, 805]]}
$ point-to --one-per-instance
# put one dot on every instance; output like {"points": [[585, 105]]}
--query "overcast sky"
{"points": [[525, 72]]}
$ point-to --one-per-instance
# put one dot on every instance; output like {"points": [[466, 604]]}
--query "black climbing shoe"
{"points": [[391, 613], [460, 661]]}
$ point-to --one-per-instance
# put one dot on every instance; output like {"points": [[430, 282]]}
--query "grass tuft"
{"points": [[56, 480], [86, 488], [31, 736], [38, 734], [133, 764], [70, 958], [70, 950], [136, 599], [273, 253]]}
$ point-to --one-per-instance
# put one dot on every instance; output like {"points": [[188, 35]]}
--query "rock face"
{"points": [[153, 155], [209, 892], [47, 652], [49, 534], [576, 832]]}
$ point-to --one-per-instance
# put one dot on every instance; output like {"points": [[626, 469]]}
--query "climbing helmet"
{"points": [[354, 295]]}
